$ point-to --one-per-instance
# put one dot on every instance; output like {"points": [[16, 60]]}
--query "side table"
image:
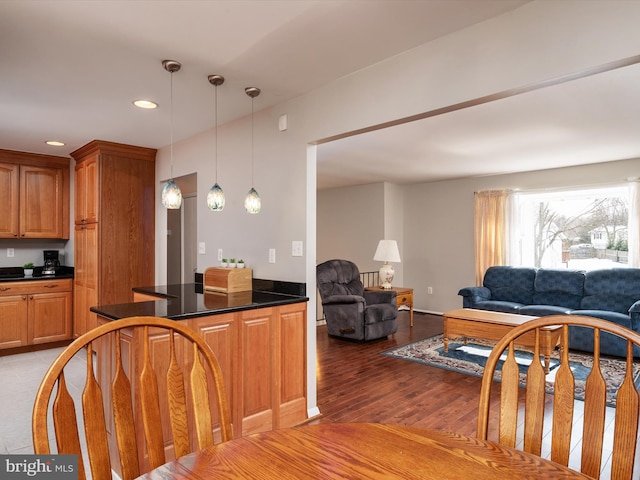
{"points": [[404, 297]]}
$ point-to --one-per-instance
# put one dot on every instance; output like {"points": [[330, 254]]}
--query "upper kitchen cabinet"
{"points": [[86, 190], [34, 195], [114, 226]]}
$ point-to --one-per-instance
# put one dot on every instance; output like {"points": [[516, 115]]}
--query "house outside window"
{"points": [[577, 229]]}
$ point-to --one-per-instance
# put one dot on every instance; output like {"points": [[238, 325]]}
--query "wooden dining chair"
{"points": [[131, 394], [528, 435]]}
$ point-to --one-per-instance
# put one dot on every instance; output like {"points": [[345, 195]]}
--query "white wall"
{"points": [[439, 241], [350, 222], [538, 41]]}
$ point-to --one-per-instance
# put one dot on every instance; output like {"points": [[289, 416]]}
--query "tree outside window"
{"points": [[573, 229]]}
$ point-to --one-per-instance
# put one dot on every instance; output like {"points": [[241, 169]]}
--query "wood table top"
{"points": [[489, 316], [359, 451]]}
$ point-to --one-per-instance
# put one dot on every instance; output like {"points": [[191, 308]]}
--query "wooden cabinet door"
{"points": [[220, 333], [291, 360], [13, 321], [256, 395], [86, 191], [9, 200], [41, 202], [85, 277], [49, 317]]}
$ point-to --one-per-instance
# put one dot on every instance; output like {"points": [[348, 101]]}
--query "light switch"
{"points": [[10, 252], [282, 123], [201, 248], [296, 248], [272, 255], [219, 254]]}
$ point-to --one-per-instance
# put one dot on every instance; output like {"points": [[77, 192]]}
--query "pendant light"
{"points": [[215, 197], [171, 194], [252, 201]]}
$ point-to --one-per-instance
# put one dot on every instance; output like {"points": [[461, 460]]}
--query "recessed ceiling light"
{"points": [[54, 143], [145, 104]]}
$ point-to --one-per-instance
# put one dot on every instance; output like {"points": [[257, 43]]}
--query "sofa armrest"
{"points": [[634, 313], [471, 296], [343, 299], [373, 297]]}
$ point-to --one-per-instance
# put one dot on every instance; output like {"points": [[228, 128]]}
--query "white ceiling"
{"points": [[70, 70], [587, 120]]}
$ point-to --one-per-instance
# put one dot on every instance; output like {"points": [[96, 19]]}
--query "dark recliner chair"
{"points": [[350, 311]]}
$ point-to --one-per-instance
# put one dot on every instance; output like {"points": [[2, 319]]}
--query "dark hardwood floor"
{"points": [[358, 384]]}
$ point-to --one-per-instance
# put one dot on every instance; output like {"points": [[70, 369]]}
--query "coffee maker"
{"points": [[51, 262]]}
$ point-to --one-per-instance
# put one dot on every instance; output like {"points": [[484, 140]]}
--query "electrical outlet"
{"points": [[272, 255], [202, 248], [10, 252], [429, 290], [219, 254], [296, 248]]}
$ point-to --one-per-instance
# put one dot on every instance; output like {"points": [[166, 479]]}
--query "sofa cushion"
{"points": [[510, 284], [497, 306], [563, 288], [543, 310], [581, 338], [615, 317], [614, 289]]}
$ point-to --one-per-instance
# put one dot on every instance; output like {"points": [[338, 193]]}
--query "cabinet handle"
{"points": [[53, 285], [31, 297], [24, 297], [4, 289], [15, 234]]}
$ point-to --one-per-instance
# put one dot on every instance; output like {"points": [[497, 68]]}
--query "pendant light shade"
{"points": [[215, 197], [252, 202], [171, 194]]}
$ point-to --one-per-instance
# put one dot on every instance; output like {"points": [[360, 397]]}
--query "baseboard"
{"points": [[313, 413], [431, 312]]}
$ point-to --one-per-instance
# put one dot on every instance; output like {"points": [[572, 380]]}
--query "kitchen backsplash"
{"points": [[30, 251]]}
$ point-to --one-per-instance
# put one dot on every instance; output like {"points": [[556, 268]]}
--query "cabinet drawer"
{"points": [[36, 286], [404, 299]]}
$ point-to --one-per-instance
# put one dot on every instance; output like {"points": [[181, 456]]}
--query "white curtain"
{"points": [[634, 223]]}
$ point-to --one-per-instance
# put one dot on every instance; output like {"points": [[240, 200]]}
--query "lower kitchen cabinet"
{"points": [[13, 320], [262, 354], [35, 312]]}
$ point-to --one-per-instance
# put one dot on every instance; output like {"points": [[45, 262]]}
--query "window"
{"points": [[577, 229]]}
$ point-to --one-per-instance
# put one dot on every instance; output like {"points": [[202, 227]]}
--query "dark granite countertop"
{"points": [[16, 274], [183, 301]]}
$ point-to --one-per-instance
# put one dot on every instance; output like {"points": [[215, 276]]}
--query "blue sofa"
{"points": [[610, 294]]}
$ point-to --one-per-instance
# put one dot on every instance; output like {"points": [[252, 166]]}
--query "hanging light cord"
{"points": [[171, 123], [216, 131], [252, 128]]}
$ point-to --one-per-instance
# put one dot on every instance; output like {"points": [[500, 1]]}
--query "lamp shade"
{"points": [[387, 251], [171, 195]]}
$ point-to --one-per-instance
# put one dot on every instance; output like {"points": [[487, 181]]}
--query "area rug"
{"points": [[470, 359]]}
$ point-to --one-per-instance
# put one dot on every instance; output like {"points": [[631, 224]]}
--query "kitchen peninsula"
{"points": [[258, 336]]}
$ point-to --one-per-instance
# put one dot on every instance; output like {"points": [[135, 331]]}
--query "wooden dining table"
{"points": [[359, 451]]}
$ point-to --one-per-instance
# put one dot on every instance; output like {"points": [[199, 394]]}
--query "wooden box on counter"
{"points": [[228, 280], [217, 300]]}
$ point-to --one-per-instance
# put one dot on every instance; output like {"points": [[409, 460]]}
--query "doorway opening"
{"points": [[182, 260]]}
